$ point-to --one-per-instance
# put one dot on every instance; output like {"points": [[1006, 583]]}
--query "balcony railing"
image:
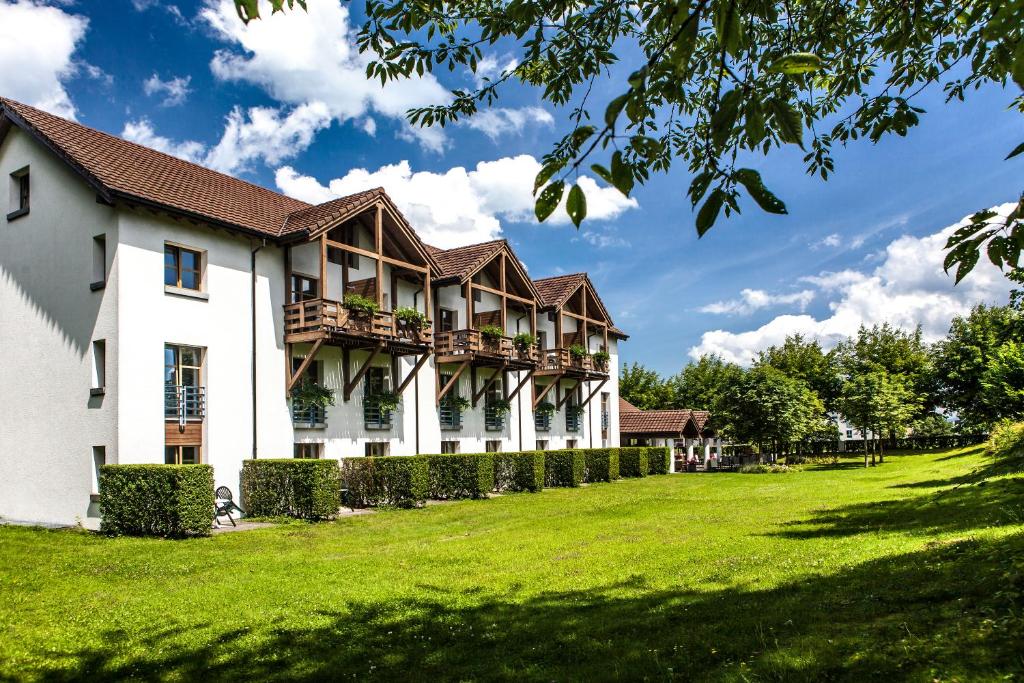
{"points": [[375, 418], [324, 315], [493, 420], [459, 342], [184, 403], [562, 360], [572, 421], [450, 416], [542, 422], [311, 415]]}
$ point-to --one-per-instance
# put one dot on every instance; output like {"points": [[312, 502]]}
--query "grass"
{"points": [[913, 570]]}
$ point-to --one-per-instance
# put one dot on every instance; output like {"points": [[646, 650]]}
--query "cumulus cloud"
{"points": [[497, 122], [37, 43], [174, 91], [259, 133], [490, 67], [751, 300], [909, 288], [458, 206]]}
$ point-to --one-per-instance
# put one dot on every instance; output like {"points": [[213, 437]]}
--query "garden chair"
{"points": [[224, 503]]}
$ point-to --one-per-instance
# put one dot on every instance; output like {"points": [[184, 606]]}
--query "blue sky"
{"points": [[284, 104]]}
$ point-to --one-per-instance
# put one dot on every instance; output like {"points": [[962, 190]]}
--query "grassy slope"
{"points": [[823, 574]]}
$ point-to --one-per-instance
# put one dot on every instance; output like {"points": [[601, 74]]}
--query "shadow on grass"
{"points": [[949, 611]]}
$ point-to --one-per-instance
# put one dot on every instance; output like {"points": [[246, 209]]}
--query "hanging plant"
{"points": [[500, 406], [576, 410], [358, 303], [460, 403], [545, 408], [492, 333], [386, 401], [524, 341], [601, 357], [411, 317], [309, 393], [578, 351]]}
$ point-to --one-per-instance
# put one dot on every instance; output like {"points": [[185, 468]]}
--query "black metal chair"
{"points": [[224, 503]]}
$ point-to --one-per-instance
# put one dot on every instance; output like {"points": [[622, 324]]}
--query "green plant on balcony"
{"points": [[385, 401], [576, 410], [411, 317], [309, 393], [361, 305], [460, 403], [524, 341], [499, 406], [491, 333], [601, 358], [578, 351], [545, 408]]}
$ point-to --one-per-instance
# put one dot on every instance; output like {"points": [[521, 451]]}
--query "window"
{"points": [[449, 320], [308, 451], [304, 288], [182, 267], [184, 394], [606, 403], [99, 367], [849, 433], [377, 449], [308, 414], [542, 340], [494, 447], [570, 443], [376, 383], [542, 444], [448, 411], [449, 447], [19, 194], [572, 414], [99, 262], [99, 459], [493, 420], [183, 455], [477, 295]]}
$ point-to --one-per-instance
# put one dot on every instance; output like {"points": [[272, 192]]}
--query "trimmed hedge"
{"points": [[519, 471], [564, 468], [173, 501], [459, 475], [658, 459], [396, 481], [633, 461], [305, 489], [602, 464]]}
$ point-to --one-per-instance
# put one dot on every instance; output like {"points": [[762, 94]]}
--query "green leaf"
{"points": [[614, 108], [684, 46], [967, 264], [724, 117], [787, 121], [1017, 70], [1016, 150], [602, 173], [728, 27], [247, 10], [751, 180], [576, 205], [545, 174], [708, 213], [622, 174], [755, 122], [699, 186], [797, 63], [548, 200], [581, 134]]}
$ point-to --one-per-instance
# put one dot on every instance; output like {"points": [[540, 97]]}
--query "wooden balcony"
{"points": [[562, 362], [308, 321], [460, 345]]}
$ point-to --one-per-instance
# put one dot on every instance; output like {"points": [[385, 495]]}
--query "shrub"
{"points": [[520, 471], [392, 481], [761, 468], [564, 468], [601, 464], [173, 501], [633, 461], [459, 475], [306, 489], [1006, 443], [360, 304], [658, 459]]}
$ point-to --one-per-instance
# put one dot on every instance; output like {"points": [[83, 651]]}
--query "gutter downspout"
{"points": [[416, 381], [252, 257]]}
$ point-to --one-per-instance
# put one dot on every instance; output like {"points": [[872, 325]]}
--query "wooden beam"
{"points": [[504, 294], [565, 399], [469, 306], [306, 362], [594, 392], [498, 292], [323, 267], [522, 383], [426, 295], [379, 243], [412, 373], [349, 386], [554, 380], [287, 364], [451, 383], [370, 254], [576, 316], [487, 385]]}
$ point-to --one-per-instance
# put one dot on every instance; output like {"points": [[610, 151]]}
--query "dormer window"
{"points": [[20, 194]]}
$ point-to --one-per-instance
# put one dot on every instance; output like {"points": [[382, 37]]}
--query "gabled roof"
{"points": [[626, 407], [556, 290], [313, 217], [654, 421], [461, 263]]}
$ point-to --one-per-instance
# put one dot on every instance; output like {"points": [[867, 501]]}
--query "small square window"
{"points": [[99, 459], [308, 451], [183, 455], [183, 268], [494, 447], [449, 447], [477, 296], [570, 443]]}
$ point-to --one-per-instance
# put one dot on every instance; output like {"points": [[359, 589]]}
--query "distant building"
{"points": [[686, 431]]}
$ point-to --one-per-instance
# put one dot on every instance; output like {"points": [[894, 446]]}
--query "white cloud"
{"points": [[490, 67], [751, 300], [259, 133], [497, 122], [909, 288], [831, 241], [174, 90], [458, 206], [36, 47]]}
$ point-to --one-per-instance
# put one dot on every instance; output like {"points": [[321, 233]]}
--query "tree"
{"points": [[704, 386], [805, 361], [963, 357], [766, 407], [707, 83], [1003, 381], [643, 387], [932, 424], [876, 402]]}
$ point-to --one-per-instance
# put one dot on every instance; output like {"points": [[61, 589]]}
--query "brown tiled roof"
{"points": [[626, 407], [616, 332], [462, 261], [314, 217], [135, 172], [700, 418], [555, 290], [653, 421]]}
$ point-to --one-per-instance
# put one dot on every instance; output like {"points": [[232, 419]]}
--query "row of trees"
{"points": [[882, 381]]}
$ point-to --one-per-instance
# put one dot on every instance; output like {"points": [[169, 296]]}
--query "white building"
{"points": [[154, 311]]}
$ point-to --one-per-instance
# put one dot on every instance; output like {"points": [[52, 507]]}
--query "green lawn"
{"points": [[827, 573]]}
